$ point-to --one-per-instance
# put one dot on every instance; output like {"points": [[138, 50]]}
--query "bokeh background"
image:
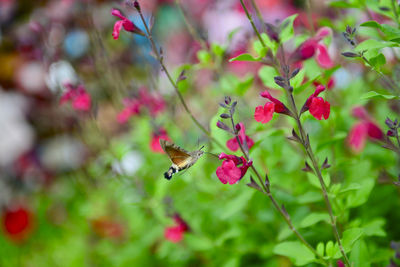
{"points": [[85, 187]]}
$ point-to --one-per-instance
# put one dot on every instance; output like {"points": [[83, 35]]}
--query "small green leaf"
{"points": [[372, 94], [360, 256], [371, 24], [296, 251], [217, 49], [314, 218], [244, 57], [378, 60], [374, 44], [350, 236], [320, 248], [330, 250], [375, 228], [204, 56], [286, 29]]}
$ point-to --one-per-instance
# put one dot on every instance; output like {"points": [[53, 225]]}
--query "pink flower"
{"points": [[314, 46], [132, 107], [363, 130], [340, 263], [155, 140], [230, 171], [123, 23], [175, 233], [154, 102], [78, 96], [279, 106], [317, 106], [233, 144]]}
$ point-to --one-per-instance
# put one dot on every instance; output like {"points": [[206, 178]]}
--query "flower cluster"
{"points": [[232, 169], [155, 140], [133, 106], [78, 97], [175, 233]]}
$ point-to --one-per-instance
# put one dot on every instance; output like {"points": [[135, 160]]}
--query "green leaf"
{"points": [[217, 49], [342, 4], [320, 248], [374, 44], [309, 197], [199, 242], [372, 94], [314, 218], [330, 250], [286, 29], [349, 237], [359, 197], [371, 24], [244, 57], [378, 61], [375, 228], [359, 256], [267, 74], [204, 56], [296, 251]]}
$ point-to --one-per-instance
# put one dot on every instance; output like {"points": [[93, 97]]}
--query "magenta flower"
{"points": [[264, 113], [318, 107], [363, 130], [315, 46], [132, 107], [78, 97], [125, 23], [233, 144], [233, 168], [175, 233]]}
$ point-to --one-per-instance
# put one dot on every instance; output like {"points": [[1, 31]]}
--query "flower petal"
{"points": [[117, 29], [323, 58], [264, 114]]}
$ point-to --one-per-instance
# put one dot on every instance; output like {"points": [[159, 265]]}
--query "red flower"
{"points": [[340, 263], [314, 46], [317, 106], [155, 140], [233, 144], [279, 106], [363, 130], [230, 171], [125, 23], [154, 102], [264, 114], [175, 233], [78, 96], [17, 223]]}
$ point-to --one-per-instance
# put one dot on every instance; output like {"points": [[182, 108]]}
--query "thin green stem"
{"points": [[174, 84], [249, 17], [259, 16], [307, 147], [396, 15], [267, 190]]}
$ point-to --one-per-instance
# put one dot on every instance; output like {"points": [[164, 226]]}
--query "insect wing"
{"points": [[178, 156]]}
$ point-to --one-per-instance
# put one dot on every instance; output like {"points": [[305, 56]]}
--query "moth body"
{"points": [[181, 159]]}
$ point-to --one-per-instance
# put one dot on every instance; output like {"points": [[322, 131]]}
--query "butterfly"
{"points": [[181, 159]]}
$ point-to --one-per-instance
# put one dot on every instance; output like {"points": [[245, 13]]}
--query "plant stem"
{"points": [[173, 83], [249, 17], [259, 16], [267, 191], [394, 9], [306, 144]]}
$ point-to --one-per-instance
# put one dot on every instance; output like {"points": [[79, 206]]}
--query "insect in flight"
{"points": [[181, 159]]}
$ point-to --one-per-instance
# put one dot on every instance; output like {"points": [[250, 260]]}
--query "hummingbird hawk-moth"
{"points": [[181, 159]]}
